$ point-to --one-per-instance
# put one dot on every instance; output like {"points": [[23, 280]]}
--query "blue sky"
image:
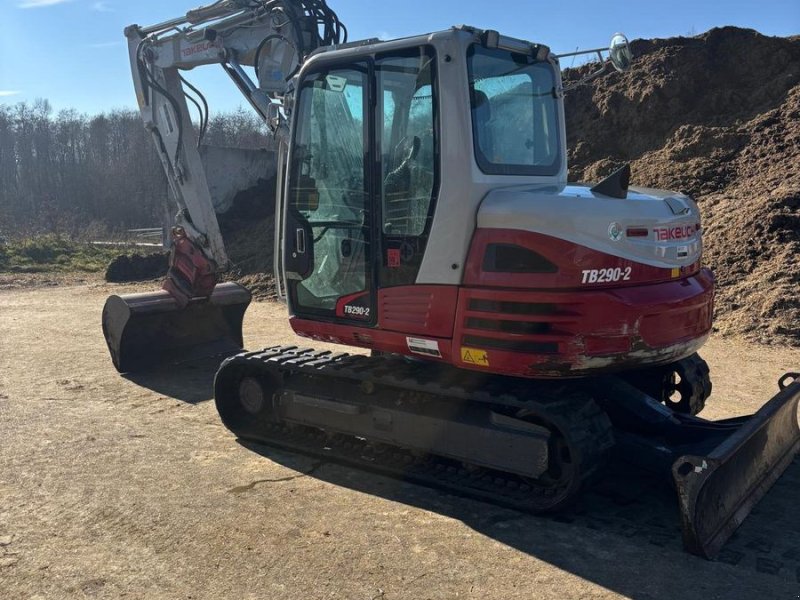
{"points": [[72, 52]]}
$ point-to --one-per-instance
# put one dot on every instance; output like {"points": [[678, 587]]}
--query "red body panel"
{"points": [[572, 260], [586, 332], [540, 325], [419, 310], [425, 310]]}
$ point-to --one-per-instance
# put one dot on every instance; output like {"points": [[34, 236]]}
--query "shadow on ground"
{"points": [[191, 382], [624, 535]]}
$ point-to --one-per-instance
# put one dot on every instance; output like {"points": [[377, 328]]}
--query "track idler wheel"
{"points": [[683, 386], [245, 400]]}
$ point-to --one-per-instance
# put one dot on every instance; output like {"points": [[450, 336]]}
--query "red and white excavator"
{"points": [[522, 327]]}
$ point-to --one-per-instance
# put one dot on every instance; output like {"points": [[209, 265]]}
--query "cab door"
{"points": [[328, 251], [363, 182]]}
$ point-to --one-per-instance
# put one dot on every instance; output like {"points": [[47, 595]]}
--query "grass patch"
{"points": [[51, 253]]}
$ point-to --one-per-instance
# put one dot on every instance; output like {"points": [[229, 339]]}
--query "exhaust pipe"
{"points": [[149, 330]]}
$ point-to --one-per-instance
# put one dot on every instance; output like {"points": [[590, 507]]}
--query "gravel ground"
{"points": [[112, 487]]}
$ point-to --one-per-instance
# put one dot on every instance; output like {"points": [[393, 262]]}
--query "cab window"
{"points": [[514, 113], [407, 141]]}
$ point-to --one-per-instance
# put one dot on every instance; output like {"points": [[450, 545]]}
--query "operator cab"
{"points": [[370, 169]]}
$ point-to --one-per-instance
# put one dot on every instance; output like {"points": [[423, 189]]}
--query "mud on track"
{"points": [[114, 487]]}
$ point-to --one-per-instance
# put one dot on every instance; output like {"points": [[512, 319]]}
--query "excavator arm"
{"points": [[270, 39], [273, 37]]}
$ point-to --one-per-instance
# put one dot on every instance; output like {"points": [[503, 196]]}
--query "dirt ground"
{"points": [[112, 487]]}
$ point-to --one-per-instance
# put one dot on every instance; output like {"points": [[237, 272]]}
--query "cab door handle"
{"points": [[301, 240]]}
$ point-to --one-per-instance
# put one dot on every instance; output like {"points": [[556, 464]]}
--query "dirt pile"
{"points": [[249, 233], [137, 267], [716, 116], [248, 230]]}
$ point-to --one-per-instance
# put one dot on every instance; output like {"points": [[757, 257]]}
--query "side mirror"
{"points": [[619, 53]]}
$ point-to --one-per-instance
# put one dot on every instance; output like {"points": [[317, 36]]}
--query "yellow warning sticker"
{"points": [[676, 273], [475, 357]]}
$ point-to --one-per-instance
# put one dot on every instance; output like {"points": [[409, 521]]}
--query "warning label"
{"points": [[475, 357], [426, 347]]}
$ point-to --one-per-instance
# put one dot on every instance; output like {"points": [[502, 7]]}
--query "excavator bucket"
{"points": [[718, 490], [149, 330]]}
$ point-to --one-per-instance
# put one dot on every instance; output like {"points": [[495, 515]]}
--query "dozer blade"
{"points": [[148, 330], [718, 491]]}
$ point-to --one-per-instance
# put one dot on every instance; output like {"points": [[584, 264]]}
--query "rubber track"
{"points": [[574, 411]]}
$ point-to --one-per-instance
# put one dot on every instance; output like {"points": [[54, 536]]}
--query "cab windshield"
{"points": [[514, 113]]}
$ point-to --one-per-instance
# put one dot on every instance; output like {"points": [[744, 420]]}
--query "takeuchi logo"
{"points": [[201, 47], [665, 234], [615, 232]]}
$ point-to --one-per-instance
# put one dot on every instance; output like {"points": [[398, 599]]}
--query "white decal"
{"points": [[425, 347], [607, 275], [357, 311]]}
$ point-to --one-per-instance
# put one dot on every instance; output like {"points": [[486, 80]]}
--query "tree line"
{"points": [[68, 172]]}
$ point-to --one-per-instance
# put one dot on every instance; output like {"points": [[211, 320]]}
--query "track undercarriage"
{"points": [[544, 441], [528, 445]]}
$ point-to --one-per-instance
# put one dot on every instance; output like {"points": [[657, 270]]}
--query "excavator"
{"points": [[522, 328]]}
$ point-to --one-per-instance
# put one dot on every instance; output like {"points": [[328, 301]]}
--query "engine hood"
{"points": [[653, 227]]}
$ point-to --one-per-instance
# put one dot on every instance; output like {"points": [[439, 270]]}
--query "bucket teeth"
{"points": [[144, 331]]}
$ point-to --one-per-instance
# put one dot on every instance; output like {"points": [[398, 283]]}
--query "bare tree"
{"points": [[65, 172]]}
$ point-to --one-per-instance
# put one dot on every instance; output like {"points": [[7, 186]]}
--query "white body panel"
{"points": [[575, 214], [464, 188]]}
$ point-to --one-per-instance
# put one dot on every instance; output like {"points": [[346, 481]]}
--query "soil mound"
{"points": [[137, 267], [716, 116], [249, 233]]}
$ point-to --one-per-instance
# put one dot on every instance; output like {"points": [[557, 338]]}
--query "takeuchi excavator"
{"points": [[522, 327]]}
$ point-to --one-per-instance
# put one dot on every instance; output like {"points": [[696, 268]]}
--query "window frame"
{"points": [[484, 164], [410, 52]]}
